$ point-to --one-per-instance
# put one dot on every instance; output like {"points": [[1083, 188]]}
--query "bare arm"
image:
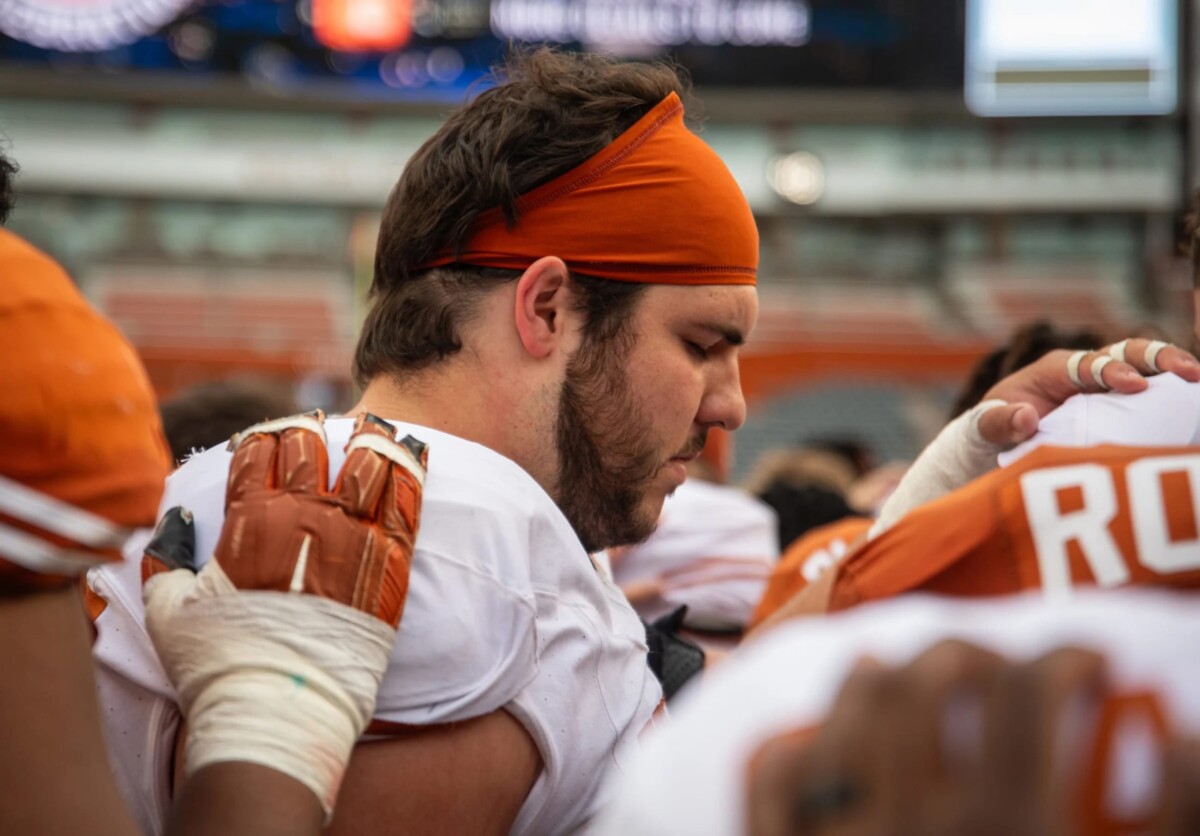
{"points": [[470, 778], [244, 799], [53, 765], [459, 778]]}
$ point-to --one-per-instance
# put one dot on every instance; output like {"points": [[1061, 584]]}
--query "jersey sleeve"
{"points": [[936, 540], [805, 560]]}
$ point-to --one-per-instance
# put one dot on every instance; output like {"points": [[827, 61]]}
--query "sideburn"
{"points": [[606, 456]]}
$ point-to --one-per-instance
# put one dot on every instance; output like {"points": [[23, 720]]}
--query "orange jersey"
{"points": [[1058, 518], [804, 560], [82, 455]]}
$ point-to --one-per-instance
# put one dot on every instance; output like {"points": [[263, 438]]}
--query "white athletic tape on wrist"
{"points": [[280, 679], [1073, 367], [1117, 350], [958, 455], [1097, 370], [1152, 352]]}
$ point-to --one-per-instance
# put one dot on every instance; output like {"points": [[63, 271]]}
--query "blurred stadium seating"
{"points": [[214, 185]]}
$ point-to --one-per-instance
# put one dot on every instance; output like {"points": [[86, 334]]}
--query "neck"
{"points": [[452, 398]]}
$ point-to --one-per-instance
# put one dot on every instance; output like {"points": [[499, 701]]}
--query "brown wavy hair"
{"points": [[552, 111], [8, 173]]}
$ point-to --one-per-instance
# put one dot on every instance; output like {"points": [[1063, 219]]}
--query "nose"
{"points": [[723, 404]]}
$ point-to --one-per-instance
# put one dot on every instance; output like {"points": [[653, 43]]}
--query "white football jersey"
{"points": [[504, 610], [713, 550], [1166, 414], [691, 774]]}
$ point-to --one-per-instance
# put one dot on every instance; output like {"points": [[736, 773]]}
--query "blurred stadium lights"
{"points": [[654, 22], [362, 25], [192, 41], [269, 65], [85, 25], [798, 177], [416, 68]]}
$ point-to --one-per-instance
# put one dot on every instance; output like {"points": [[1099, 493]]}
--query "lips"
{"points": [[691, 452]]}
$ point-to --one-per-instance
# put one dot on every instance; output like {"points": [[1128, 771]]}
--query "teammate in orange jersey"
{"points": [[806, 560], [82, 460], [1058, 518], [1063, 511], [962, 524]]}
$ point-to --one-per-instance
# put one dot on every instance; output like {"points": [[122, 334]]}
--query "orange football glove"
{"points": [[285, 531], [278, 645]]}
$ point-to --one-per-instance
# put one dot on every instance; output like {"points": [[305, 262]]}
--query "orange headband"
{"points": [[657, 206]]}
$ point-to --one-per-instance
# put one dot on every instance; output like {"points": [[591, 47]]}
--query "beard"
{"points": [[607, 458]]}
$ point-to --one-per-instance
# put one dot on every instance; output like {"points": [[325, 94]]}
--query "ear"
{"points": [[542, 303]]}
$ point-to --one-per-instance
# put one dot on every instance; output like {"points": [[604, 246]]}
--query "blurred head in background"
{"points": [[208, 414], [807, 487], [856, 452], [8, 174], [1027, 344], [1191, 247]]}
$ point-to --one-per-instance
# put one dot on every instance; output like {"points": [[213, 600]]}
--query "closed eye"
{"points": [[699, 351]]}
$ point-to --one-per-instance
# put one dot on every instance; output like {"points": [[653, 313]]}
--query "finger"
{"points": [[942, 730], [302, 463], [855, 754], [1009, 424], [1033, 730], [173, 545], [256, 454], [1179, 807], [253, 466], [1155, 357], [385, 479], [945, 678], [776, 774], [1151, 357], [1100, 371], [1070, 683], [389, 594], [1103, 373], [811, 782], [408, 487], [365, 473]]}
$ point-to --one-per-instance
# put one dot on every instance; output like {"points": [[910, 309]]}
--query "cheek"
{"points": [[669, 393]]}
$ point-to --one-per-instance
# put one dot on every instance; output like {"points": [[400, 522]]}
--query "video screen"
{"points": [[438, 49], [1072, 57]]}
